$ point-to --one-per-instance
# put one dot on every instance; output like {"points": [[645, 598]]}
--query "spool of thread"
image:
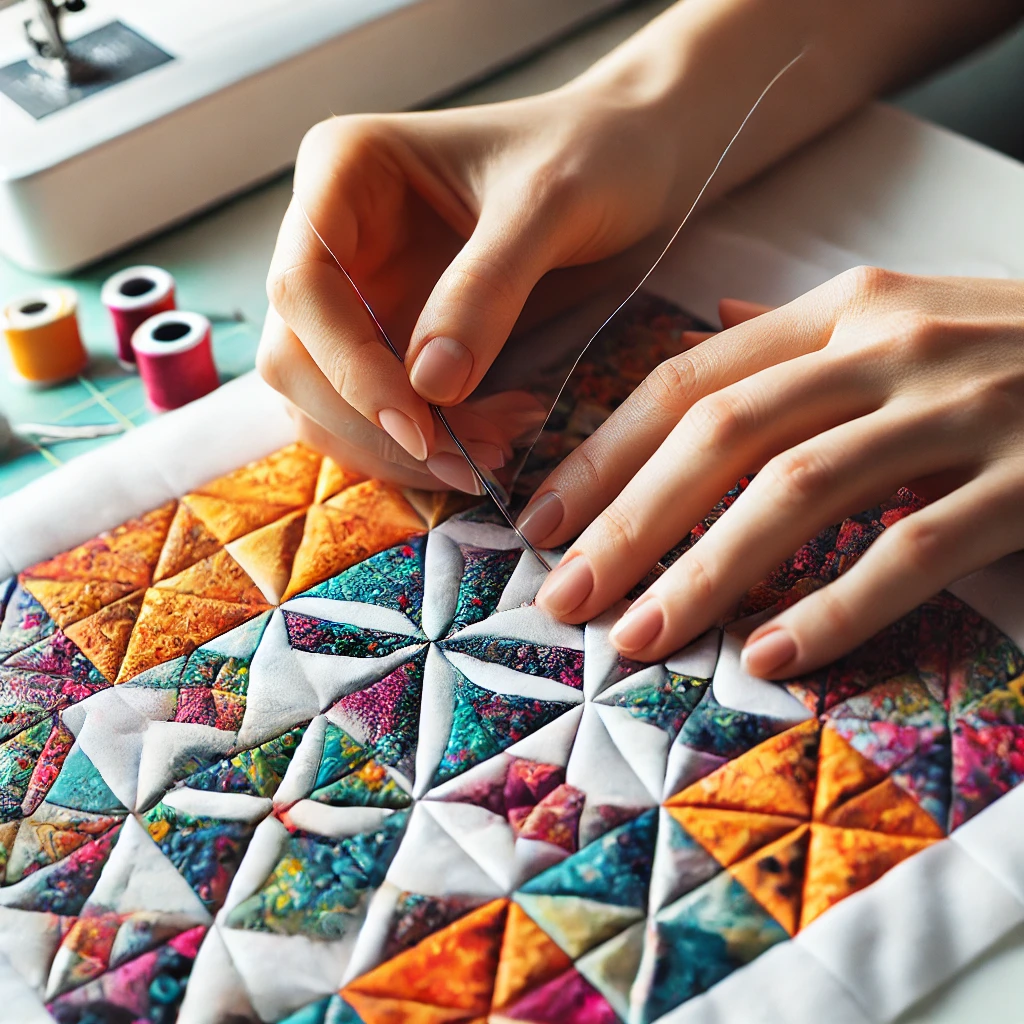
{"points": [[175, 359], [42, 333], [133, 295]]}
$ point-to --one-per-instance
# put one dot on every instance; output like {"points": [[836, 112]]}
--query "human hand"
{"points": [[871, 382], [445, 221]]}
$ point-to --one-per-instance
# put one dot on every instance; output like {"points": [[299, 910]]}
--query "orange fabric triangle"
{"points": [[188, 541], [886, 808], [774, 876], [171, 625], [70, 602], [375, 1010], [351, 526], [103, 636], [841, 861], [842, 773], [267, 554], [775, 777], [286, 478], [228, 520], [114, 564], [529, 958], [730, 836], [332, 479], [217, 578], [454, 968]]}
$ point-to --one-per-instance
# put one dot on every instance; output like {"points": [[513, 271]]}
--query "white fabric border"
{"points": [[165, 458]]}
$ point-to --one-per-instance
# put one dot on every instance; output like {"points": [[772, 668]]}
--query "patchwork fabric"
{"points": [[278, 752]]}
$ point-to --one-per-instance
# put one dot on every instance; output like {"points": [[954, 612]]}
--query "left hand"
{"points": [[873, 381]]}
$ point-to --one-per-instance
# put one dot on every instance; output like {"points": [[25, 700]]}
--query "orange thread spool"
{"points": [[42, 333]]}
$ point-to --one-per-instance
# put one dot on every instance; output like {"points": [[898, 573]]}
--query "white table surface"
{"points": [[883, 189]]}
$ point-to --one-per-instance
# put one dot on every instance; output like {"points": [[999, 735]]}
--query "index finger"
{"points": [[312, 294]]}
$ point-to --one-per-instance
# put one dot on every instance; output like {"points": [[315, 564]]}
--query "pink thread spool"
{"points": [[175, 359], [133, 295]]}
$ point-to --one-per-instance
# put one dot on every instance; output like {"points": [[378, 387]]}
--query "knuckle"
{"points": [[286, 287], [917, 334], [865, 283], [618, 526], [481, 279], [670, 386], [799, 475], [721, 419], [833, 613], [920, 541], [700, 583]]}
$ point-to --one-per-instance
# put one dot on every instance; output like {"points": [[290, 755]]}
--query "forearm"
{"points": [[696, 70]]}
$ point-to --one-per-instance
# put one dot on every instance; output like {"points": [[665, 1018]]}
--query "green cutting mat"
{"points": [[219, 262]]}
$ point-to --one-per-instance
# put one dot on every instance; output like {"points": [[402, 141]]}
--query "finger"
{"points": [[358, 458], [320, 305], [912, 560], [797, 495], [724, 436], [738, 311], [287, 367], [475, 303], [587, 481]]}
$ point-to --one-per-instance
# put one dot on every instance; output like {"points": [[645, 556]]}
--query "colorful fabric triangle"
{"points": [[567, 999], [384, 717], [700, 939], [666, 703], [715, 729], [80, 787], [360, 521], [113, 565], [392, 579], [575, 923], [529, 959], [613, 869], [320, 885], [319, 636], [485, 575], [775, 777], [561, 664], [255, 772], [484, 723], [206, 851], [451, 969]]}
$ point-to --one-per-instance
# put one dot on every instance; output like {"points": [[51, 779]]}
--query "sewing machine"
{"points": [[119, 119]]}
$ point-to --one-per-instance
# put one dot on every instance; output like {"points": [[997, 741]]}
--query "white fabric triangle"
{"points": [[431, 862], [686, 765], [167, 747], [28, 941], [643, 746]]}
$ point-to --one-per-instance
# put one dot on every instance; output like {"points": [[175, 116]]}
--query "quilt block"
{"points": [[278, 751]]}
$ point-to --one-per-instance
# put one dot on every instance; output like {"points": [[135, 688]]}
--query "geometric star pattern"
{"points": [[280, 722]]}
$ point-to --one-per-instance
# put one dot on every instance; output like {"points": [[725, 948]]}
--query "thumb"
{"points": [[476, 302]]}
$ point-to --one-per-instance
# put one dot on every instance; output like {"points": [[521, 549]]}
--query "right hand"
{"points": [[445, 220]]}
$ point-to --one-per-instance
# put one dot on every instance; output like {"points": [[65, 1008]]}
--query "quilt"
{"points": [[292, 746]]}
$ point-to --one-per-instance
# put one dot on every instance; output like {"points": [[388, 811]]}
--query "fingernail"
{"points": [[768, 653], [567, 587], [405, 430], [441, 370], [639, 626], [454, 471], [541, 517], [489, 455]]}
